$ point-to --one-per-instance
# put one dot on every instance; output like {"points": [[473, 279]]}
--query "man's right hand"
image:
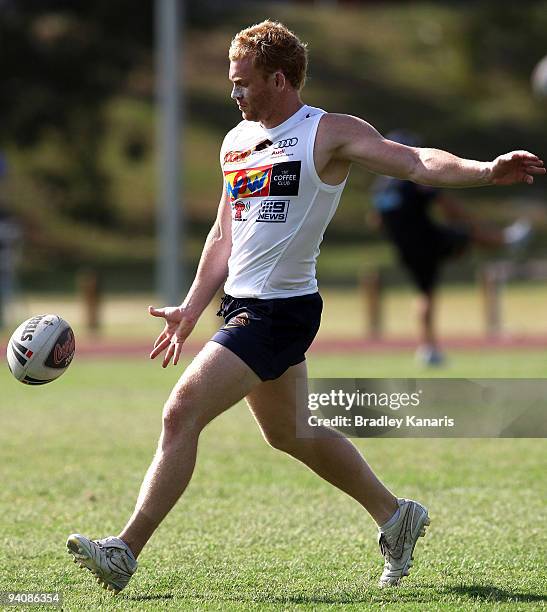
{"points": [[178, 326]]}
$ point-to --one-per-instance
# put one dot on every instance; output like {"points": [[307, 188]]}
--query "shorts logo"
{"points": [[240, 208], [273, 211], [240, 320], [281, 179]]}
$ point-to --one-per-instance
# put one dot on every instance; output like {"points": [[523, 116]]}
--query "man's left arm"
{"points": [[352, 139]]}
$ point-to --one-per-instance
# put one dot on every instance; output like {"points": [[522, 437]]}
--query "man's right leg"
{"points": [[215, 380]]}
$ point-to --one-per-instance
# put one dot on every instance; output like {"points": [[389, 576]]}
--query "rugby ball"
{"points": [[40, 349]]}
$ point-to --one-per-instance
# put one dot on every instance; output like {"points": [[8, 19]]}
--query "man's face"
{"points": [[252, 90]]}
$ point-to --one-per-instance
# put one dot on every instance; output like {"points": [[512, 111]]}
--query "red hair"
{"points": [[274, 47]]}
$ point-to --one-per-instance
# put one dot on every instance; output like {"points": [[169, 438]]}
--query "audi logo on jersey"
{"points": [[288, 142]]}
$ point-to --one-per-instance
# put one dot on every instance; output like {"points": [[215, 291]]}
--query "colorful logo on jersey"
{"points": [[236, 156], [248, 183], [240, 208], [233, 157], [275, 180]]}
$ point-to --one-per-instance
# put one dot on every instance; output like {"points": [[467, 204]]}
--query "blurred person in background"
{"points": [[404, 210]]}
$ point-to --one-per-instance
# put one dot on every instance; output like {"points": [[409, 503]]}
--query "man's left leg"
{"points": [[278, 406], [333, 457]]}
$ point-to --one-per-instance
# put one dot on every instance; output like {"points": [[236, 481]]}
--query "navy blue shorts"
{"points": [[270, 336]]}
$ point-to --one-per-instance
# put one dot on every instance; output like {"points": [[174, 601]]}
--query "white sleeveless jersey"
{"points": [[280, 206]]}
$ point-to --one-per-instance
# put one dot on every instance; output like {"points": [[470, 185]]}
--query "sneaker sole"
{"points": [[426, 521], [84, 561]]}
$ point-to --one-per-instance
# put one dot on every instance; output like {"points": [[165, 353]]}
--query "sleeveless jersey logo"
{"points": [[288, 142], [240, 208], [248, 183], [273, 211], [236, 156], [281, 179], [233, 157]]}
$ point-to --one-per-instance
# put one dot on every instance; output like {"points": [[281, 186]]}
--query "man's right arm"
{"points": [[211, 273], [213, 265]]}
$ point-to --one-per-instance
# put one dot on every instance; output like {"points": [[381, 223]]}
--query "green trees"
{"points": [[61, 62]]}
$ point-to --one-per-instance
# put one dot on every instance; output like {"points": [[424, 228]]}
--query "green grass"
{"points": [[255, 530]]}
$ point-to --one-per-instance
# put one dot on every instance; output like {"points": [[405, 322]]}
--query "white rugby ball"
{"points": [[40, 349]]}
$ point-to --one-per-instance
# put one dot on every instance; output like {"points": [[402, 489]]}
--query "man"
{"points": [[285, 167], [423, 244]]}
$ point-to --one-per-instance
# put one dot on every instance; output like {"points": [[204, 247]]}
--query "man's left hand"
{"points": [[516, 167]]}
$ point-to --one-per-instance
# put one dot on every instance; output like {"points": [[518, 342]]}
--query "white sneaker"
{"points": [[518, 233], [110, 560], [397, 542], [430, 356]]}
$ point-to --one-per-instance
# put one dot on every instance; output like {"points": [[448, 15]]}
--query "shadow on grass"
{"points": [[374, 596], [410, 595], [150, 597], [493, 594]]}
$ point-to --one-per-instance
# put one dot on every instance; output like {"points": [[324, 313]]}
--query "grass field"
{"points": [[255, 530]]}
